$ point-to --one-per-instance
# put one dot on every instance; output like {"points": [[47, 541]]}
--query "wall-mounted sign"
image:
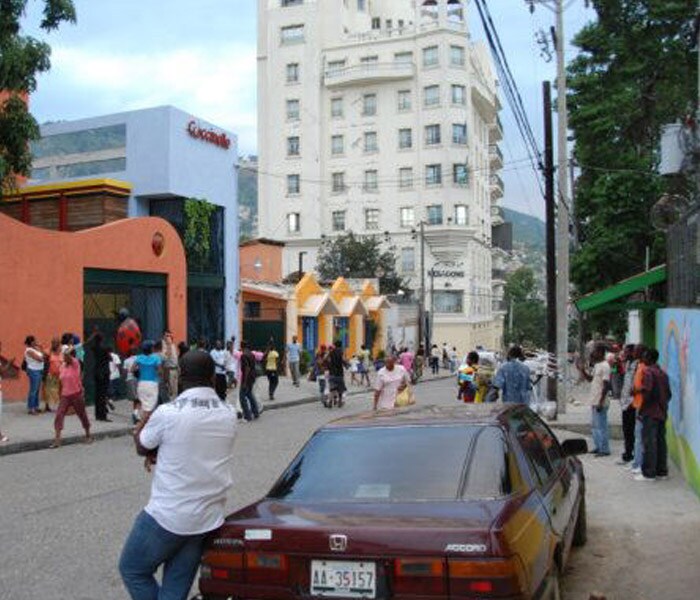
{"points": [[444, 273], [208, 135]]}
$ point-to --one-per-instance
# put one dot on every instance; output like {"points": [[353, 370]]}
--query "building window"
{"points": [[293, 73], [430, 56], [362, 5], [404, 99], [431, 95], [405, 138], [461, 214], [294, 222], [435, 214], [408, 260], [371, 218], [371, 183], [448, 301], [251, 310], [460, 174], [293, 146], [293, 184], [337, 144], [459, 95], [376, 23], [456, 56], [336, 107], [403, 57], [459, 133], [432, 135], [433, 175], [293, 34], [407, 216], [292, 110], [292, 2], [405, 178], [371, 141], [369, 60], [338, 220], [389, 24], [339, 183], [335, 67], [369, 105]]}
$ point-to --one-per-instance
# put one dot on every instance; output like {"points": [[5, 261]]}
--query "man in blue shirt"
{"points": [[513, 378], [293, 356]]}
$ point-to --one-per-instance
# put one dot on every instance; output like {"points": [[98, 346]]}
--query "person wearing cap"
{"points": [[148, 367], [189, 444]]}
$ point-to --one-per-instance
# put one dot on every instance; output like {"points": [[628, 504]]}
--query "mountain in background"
{"points": [[527, 230], [248, 197]]}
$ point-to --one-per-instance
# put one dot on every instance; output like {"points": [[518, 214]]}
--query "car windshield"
{"points": [[398, 464]]}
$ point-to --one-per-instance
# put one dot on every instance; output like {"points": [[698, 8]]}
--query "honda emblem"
{"points": [[338, 542]]}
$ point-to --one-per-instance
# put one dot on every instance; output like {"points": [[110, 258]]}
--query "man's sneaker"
{"points": [[641, 477], [662, 476], [622, 462], [636, 471]]}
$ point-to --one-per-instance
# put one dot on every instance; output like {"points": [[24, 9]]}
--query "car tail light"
{"points": [[226, 564], [266, 567], [419, 576], [492, 578]]}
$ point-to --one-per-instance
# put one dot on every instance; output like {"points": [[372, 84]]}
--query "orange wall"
{"points": [[41, 278], [269, 255]]}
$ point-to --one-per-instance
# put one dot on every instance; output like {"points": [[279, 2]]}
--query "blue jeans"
{"points": [[147, 548], [638, 445], [35, 376], [599, 429], [249, 405]]}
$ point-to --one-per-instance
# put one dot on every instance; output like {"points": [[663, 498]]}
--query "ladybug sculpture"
{"points": [[128, 335]]}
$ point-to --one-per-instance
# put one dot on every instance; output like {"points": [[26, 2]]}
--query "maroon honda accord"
{"points": [[477, 501]]}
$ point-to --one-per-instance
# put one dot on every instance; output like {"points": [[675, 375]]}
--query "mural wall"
{"points": [[678, 335]]}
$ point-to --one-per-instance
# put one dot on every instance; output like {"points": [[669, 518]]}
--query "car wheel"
{"points": [[551, 589], [581, 530]]}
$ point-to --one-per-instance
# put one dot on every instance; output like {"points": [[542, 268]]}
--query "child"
{"points": [[132, 385], [466, 378], [354, 370]]}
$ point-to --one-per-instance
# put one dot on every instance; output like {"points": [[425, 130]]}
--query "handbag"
{"points": [[405, 397]]}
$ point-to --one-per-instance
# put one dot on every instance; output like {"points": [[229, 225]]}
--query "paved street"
{"points": [[64, 514]]}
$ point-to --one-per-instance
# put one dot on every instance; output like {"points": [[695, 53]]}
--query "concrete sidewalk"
{"points": [[29, 433]]}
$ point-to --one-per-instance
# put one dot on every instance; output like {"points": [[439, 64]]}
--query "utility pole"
{"points": [[550, 235]]}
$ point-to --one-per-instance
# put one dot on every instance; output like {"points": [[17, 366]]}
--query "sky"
{"points": [[200, 56]]}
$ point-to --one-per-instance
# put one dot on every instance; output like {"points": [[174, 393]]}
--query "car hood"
{"points": [[378, 528]]}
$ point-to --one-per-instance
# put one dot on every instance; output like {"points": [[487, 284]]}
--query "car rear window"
{"points": [[398, 464]]}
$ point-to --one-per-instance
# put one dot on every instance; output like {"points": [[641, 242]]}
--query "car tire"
{"points": [[581, 529]]}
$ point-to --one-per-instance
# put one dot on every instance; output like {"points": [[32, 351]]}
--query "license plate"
{"points": [[345, 579]]}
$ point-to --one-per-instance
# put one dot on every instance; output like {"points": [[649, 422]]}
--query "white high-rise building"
{"points": [[381, 117]]}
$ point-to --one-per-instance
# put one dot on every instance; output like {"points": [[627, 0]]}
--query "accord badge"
{"points": [[338, 542]]}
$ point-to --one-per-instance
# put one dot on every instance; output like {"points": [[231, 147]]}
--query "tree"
{"points": [[528, 311], [634, 72], [359, 257], [22, 59]]}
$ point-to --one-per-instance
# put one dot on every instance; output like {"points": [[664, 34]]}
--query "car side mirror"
{"points": [[574, 446]]}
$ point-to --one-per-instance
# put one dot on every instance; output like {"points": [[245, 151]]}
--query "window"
{"points": [[292, 2], [389, 24], [404, 99], [489, 475], [400, 23], [532, 447], [337, 144], [405, 177], [459, 94], [251, 310], [408, 260], [435, 214], [371, 141], [336, 107], [457, 56], [294, 222], [403, 57], [335, 67], [459, 133], [431, 95], [292, 110], [293, 184], [338, 220], [430, 56], [547, 439], [369, 105], [432, 135], [405, 138], [293, 146], [448, 301], [111, 137], [376, 23], [292, 34], [407, 216], [339, 183], [460, 174], [371, 183], [433, 175], [292, 72], [461, 214], [371, 218], [369, 60], [361, 5]]}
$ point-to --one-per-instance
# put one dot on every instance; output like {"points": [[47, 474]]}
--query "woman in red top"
{"points": [[71, 386]]}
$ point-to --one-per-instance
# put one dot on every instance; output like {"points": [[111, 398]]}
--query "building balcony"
{"points": [[498, 276], [496, 185], [499, 306], [366, 74], [496, 131], [495, 157]]}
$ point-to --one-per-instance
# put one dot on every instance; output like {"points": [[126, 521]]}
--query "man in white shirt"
{"points": [[190, 442], [598, 399], [218, 354]]}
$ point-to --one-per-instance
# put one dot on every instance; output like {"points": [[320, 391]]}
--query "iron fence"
{"points": [[683, 260]]}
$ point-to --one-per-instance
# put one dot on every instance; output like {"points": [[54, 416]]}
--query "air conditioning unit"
{"points": [[673, 140]]}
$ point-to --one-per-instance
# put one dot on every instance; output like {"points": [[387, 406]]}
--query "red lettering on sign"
{"points": [[208, 135]]}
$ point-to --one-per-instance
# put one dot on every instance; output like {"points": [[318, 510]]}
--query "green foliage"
{"points": [[635, 71], [359, 257], [305, 360], [22, 59], [197, 237], [529, 314]]}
